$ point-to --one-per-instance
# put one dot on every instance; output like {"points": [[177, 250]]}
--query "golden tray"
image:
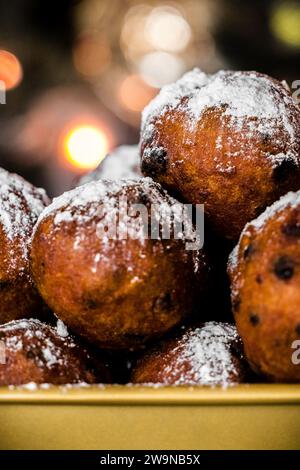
{"points": [[134, 417]]}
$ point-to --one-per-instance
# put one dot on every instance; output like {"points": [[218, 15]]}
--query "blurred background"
{"points": [[77, 74]]}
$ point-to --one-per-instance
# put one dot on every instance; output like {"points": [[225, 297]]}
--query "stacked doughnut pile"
{"points": [[89, 292]]}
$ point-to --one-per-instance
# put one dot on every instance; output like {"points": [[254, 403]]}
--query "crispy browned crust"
{"points": [[18, 296], [136, 292], [187, 161], [265, 279], [169, 363], [34, 352], [20, 299]]}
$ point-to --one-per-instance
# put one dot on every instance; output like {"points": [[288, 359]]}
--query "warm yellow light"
{"points": [[85, 147], [285, 23]]}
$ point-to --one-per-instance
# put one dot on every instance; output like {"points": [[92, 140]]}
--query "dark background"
{"points": [[98, 63]]}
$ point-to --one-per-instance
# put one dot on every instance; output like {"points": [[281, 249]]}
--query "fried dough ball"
{"points": [[32, 351], [265, 280], [95, 265], [211, 354], [230, 141], [123, 162], [20, 205]]}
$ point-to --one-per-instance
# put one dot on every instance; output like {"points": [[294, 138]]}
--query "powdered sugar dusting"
{"points": [[104, 201], [35, 352], [291, 199], [20, 206], [38, 337], [89, 194], [34, 387], [251, 101], [233, 258], [121, 163], [50, 355], [31, 386], [207, 351], [171, 96], [61, 329]]}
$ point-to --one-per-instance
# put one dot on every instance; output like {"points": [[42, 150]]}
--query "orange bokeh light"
{"points": [[85, 146], [11, 72], [135, 94], [91, 55]]}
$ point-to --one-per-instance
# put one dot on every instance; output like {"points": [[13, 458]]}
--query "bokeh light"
{"points": [[160, 68], [133, 41], [145, 45], [135, 94], [11, 72], [91, 55], [285, 23], [85, 146], [147, 29], [167, 30]]}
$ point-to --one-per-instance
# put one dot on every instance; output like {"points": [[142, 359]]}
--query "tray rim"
{"points": [[135, 395]]}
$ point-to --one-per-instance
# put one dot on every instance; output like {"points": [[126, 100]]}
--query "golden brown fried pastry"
{"points": [[32, 351], [211, 354], [95, 264], [20, 205], [230, 141], [265, 278], [122, 162]]}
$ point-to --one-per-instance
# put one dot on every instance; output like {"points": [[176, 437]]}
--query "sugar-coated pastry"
{"points": [[101, 272], [20, 206], [265, 280], [122, 162], [230, 140], [211, 354], [32, 351]]}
